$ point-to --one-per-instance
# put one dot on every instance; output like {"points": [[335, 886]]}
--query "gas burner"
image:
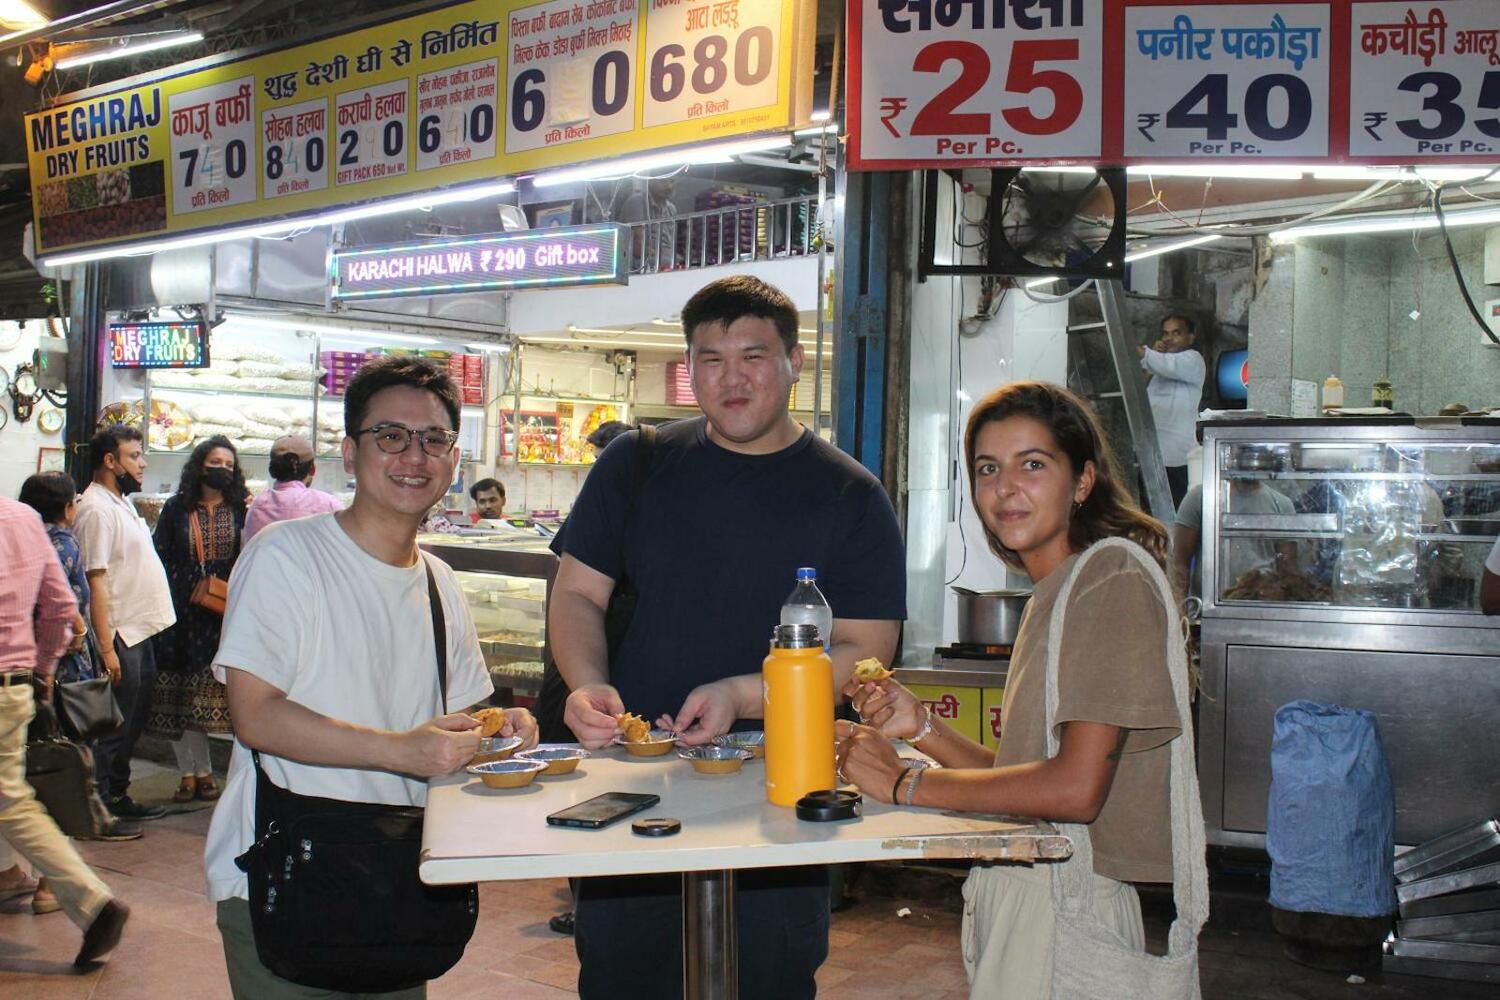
{"points": [[972, 651]]}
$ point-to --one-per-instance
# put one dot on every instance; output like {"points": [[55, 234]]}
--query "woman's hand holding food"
{"points": [[866, 758], [888, 707]]}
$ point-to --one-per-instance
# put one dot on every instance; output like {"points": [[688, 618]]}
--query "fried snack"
{"points": [[870, 669], [634, 728], [491, 720]]}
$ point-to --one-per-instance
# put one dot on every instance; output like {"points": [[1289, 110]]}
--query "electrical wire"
{"points": [[1049, 299], [1463, 288], [963, 542]]}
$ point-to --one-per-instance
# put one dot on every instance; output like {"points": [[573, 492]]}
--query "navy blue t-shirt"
{"points": [[713, 548]]}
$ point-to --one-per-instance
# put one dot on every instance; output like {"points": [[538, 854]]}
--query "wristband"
{"points": [[897, 786], [926, 729]]}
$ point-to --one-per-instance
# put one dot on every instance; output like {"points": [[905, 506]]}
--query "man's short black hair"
{"points": [[487, 484], [1187, 321], [397, 370], [49, 493], [107, 442], [736, 297]]}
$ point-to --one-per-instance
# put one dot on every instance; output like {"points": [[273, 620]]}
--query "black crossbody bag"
{"points": [[335, 899]]}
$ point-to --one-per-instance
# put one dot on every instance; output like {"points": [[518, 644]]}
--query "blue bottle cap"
{"points": [[806, 574]]}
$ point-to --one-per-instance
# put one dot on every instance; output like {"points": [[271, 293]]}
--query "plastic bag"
{"points": [[1331, 819]]}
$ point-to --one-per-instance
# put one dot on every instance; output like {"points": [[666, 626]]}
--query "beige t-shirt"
{"points": [[1113, 669]]}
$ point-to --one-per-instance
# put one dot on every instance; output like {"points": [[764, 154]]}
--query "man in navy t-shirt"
{"points": [[732, 503]]}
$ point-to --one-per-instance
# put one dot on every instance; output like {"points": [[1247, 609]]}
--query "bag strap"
{"points": [[197, 534], [1071, 888], [640, 467], [439, 634]]}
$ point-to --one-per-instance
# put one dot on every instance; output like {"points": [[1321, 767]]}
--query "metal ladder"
{"points": [[1129, 388]]}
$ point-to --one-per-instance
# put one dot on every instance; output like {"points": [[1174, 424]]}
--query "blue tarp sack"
{"points": [[1331, 820]]}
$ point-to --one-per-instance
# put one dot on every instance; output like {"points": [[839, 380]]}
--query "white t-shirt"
{"points": [[1174, 393], [348, 636], [1240, 555], [1493, 562], [113, 537]]}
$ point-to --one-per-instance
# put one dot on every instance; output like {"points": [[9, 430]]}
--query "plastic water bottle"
{"points": [[806, 605]]}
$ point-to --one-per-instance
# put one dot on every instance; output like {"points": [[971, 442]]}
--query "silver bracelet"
{"points": [[918, 767], [926, 729]]}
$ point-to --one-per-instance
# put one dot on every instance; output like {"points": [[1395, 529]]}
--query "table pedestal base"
{"points": [[710, 945]]}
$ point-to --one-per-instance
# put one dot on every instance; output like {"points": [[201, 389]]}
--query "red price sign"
{"points": [[945, 83]]}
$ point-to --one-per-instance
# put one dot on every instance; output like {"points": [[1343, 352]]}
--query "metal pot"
{"points": [[991, 618]]}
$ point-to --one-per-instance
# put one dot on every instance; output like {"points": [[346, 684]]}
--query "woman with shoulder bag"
{"points": [[1096, 736], [198, 540]]}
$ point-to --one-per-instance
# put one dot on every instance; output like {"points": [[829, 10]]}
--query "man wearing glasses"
{"points": [[327, 648]]}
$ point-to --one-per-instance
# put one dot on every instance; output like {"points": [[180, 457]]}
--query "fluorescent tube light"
{"points": [[819, 116], [129, 47], [1152, 251], [328, 329], [817, 130], [20, 14], [489, 348], [721, 152], [282, 226], [1391, 222]]}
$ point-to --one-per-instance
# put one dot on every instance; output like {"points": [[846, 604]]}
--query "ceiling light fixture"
{"points": [[1156, 250], [329, 328], [283, 226], [20, 14], [122, 47], [1390, 222], [722, 152]]}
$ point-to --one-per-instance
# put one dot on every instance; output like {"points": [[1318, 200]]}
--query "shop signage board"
{"points": [[958, 706], [572, 255], [463, 93], [158, 345], [955, 83], [1425, 80], [1246, 81], [935, 83]]}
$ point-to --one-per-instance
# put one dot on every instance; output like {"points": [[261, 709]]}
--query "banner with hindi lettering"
{"points": [[460, 94], [1424, 80]]}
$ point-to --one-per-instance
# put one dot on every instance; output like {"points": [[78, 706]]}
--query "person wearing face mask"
{"points": [[199, 534], [131, 602]]}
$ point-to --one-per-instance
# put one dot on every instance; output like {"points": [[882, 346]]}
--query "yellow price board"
{"points": [[461, 94], [955, 705]]}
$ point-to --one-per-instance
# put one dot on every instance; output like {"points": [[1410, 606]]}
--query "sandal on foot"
{"points": [[207, 789], [44, 902], [186, 790]]}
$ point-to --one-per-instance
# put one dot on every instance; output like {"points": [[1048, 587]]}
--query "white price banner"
{"points": [[456, 114], [946, 83], [710, 57], [371, 125], [570, 72], [295, 151], [1424, 79], [1241, 81], [213, 145]]}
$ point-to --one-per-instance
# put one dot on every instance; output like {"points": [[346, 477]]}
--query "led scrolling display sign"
{"points": [[158, 345], [562, 256]]}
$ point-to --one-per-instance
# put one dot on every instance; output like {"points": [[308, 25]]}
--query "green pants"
{"points": [[249, 980]]}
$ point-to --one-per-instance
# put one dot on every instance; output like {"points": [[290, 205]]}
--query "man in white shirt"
{"points": [[1174, 386], [327, 648], [130, 602]]}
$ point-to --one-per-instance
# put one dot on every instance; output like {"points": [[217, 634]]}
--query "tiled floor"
{"points": [[171, 948]]}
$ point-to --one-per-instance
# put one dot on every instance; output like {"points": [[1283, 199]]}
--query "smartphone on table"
{"points": [[602, 810]]}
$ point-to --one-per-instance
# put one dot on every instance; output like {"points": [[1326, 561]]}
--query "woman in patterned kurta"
{"points": [[187, 702]]}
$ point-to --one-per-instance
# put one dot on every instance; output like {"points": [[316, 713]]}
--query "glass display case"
{"points": [[1361, 524], [1341, 561], [506, 579]]}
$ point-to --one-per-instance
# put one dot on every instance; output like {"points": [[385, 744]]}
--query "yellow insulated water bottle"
{"points": [[797, 694]]}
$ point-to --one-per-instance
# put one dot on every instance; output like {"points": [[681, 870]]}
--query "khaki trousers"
{"points": [[249, 980], [1010, 922], [25, 825]]}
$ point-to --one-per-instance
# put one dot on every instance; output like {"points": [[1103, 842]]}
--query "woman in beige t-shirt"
{"points": [[1046, 486]]}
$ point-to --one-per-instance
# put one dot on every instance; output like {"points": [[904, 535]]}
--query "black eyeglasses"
{"points": [[393, 439]]}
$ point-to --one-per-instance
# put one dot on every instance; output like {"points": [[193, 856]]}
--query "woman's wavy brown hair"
{"points": [[1108, 511]]}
